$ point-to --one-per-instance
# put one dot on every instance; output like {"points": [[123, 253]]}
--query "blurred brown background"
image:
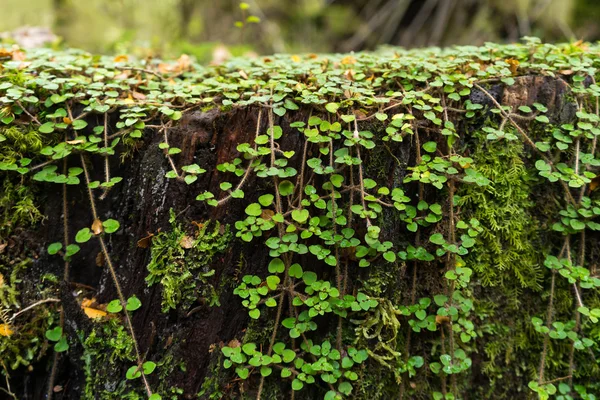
{"points": [[169, 27]]}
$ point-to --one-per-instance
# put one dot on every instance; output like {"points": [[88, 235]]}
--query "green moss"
{"points": [[506, 251], [106, 348], [181, 263], [26, 344]]}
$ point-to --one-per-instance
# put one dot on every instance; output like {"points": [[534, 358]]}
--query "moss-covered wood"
{"points": [[397, 224]]}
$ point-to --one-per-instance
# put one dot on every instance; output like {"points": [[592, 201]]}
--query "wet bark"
{"points": [[141, 203]]}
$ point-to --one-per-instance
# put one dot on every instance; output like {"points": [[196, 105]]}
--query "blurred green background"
{"points": [[167, 28]]}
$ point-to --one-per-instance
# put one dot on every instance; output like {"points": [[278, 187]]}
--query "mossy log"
{"points": [[466, 276]]}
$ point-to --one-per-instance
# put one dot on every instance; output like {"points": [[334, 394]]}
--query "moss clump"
{"points": [[180, 263], [26, 344], [106, 348]]}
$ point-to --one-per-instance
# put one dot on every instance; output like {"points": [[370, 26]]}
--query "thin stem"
{"points": [[164, 130], [34, 305], [360, 176], [106, 159], [247, 172], [115, 279]]}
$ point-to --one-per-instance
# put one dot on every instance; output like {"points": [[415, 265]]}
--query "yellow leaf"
{"points": [[97, 227], [593, 184], [121, 58], [94, 312], [514, 65], [295, 58], [5, 330], [348, 60], [67, 120]]}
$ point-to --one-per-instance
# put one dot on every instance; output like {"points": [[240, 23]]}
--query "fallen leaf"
{"points": [[5, 330], [186, 242], [88, 302], [594, 183], [18, 55], [212, 347], [97, 227], [144, 242], [76, 141], [94, 312], [100, 260], [441, 319], [349, 74], [121, 58], [138, 95], [243, 74], [233, 343], [267, 214], [184, 63], [348, 60], [513, 65], [57, 389], [1, 280], [129, 100]]}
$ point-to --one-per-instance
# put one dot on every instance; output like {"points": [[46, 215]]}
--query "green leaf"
{"points": [[254, 314], [83, 235], [286, 372], [286, 188], [336, 180], [273, 281], [133, 303], [345, 388], [54, 248], [254, 210], [300, 216], [437, 238], [276, 266], [265, 371], [148, 367], [390, 256], [111, 225], [295, 271], [48, 127], [309, 277], [61, 345], [266, 200], [332, 107], [440, 299], [114, 306], [249, 348], [242, 372], [189, 179], [71, 250], [297, 384], [54, 334], [288, 355], [133, 372], [430, 147], [577, 225], [79, 124], [155, 396]]}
